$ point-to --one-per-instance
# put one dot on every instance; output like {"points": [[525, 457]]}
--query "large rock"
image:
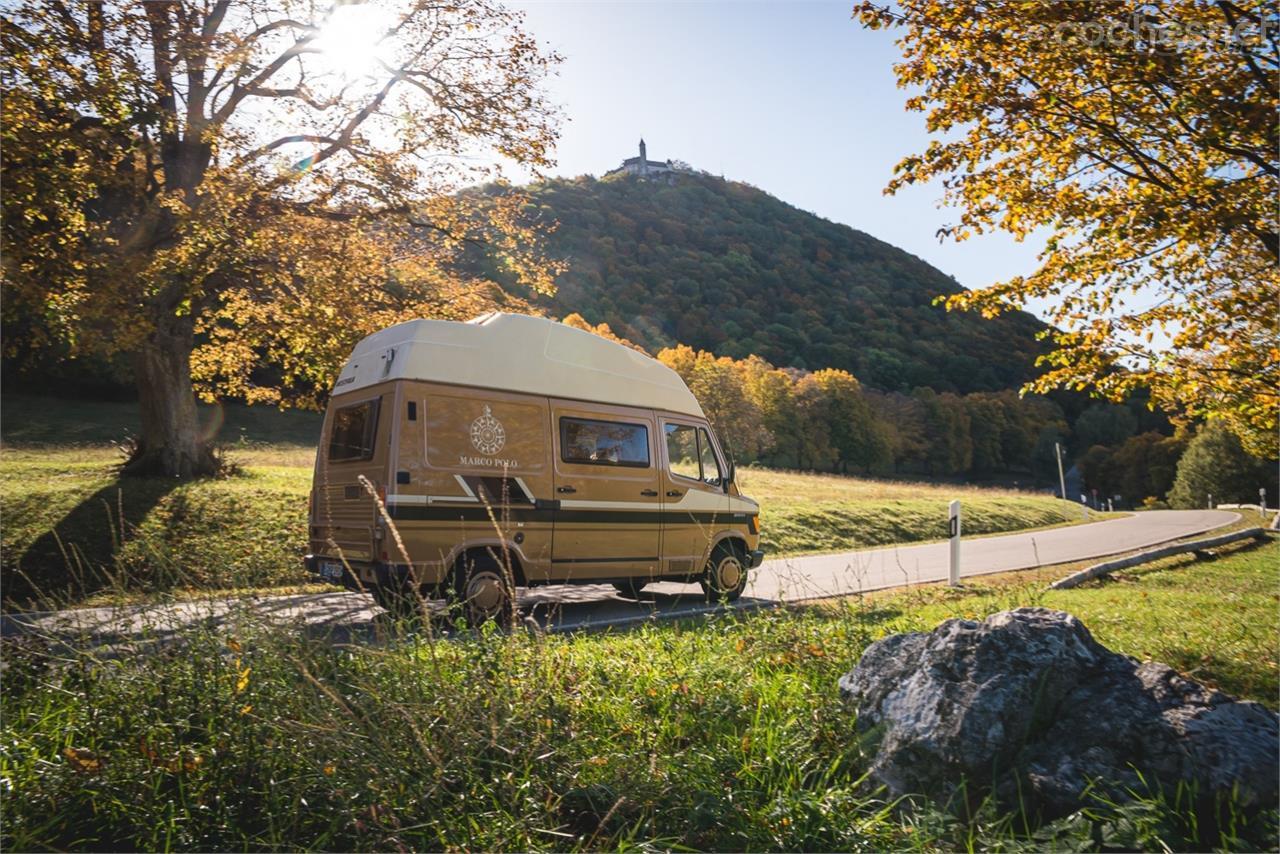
{"points": [[1028, 705]]}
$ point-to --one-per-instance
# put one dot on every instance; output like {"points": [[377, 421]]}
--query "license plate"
{"points": [[331, 570]]}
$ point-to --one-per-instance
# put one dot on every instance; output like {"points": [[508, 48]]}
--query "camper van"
{"points": [[462, 460]]}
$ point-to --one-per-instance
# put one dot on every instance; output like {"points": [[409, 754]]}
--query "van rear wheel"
{"points": [[726, 574], [482, 589], [630, 587]]}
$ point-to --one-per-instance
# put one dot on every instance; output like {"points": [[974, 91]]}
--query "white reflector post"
{"points": [[955, 543]]}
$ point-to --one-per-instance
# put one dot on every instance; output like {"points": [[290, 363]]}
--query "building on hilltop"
{"points": [[644, 167]]}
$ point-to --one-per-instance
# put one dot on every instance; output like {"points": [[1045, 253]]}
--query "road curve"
{"points": [[820, 576], [350, 616]]}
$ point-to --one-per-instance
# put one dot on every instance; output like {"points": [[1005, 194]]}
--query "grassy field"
{"points": [[249, 530], [823, 512], [724, 733]]}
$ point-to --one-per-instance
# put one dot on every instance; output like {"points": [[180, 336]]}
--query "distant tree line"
{"points": [[828, 420], [1180, 471]]}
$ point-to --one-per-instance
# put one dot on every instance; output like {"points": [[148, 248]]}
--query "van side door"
{"points": [[695, 504], [608, 522]]}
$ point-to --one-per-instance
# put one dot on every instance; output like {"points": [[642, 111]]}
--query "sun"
{"points": [[353, 42]]}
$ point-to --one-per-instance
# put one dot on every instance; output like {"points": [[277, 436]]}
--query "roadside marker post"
{"points": [[1062, 479], [1262, 500], [954, 528]]}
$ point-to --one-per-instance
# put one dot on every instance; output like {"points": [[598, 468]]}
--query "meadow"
{"points": [[720, 733], [724, 732], [74, 532]]}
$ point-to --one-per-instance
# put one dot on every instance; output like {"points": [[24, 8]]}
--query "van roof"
{"points": [[516, 352]]}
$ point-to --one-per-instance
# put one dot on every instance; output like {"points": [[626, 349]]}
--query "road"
{"points": [[820, 576], [351, 616]]}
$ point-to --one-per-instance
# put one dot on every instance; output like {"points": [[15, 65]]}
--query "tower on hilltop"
{"points": [[643, 167]]}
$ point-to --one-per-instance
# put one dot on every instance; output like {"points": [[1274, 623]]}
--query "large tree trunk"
{"points": [[170, 444]]}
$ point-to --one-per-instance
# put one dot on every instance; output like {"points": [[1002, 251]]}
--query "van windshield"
{"points": [[355, 429]]}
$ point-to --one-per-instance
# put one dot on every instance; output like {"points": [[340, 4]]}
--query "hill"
{"points": [[726, 267]]}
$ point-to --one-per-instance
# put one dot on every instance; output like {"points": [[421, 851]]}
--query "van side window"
{"points": [[682, 451], [355, 428], [707, 454], [604, 443]]}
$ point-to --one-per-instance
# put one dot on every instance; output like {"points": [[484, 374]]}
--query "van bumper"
{"points": [[390, 575], [755, 558]]}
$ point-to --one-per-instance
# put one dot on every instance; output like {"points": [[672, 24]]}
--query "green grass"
{"points": [[146, 535], [804, 512], [724, 733]]}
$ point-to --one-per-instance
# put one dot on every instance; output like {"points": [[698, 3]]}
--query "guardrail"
{"points": [[1101, 569]]}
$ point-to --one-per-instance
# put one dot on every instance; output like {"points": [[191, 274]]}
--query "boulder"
{"points": [[1028, 706]]}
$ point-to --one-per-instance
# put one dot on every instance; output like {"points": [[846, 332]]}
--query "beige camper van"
{"points": [[515, 451]]}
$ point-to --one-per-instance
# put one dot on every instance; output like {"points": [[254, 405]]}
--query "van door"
{"points": [[355, 443], [608, 522], [695, 504]]}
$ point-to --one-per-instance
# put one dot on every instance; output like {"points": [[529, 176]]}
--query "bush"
{"points": [[1216, 464]]}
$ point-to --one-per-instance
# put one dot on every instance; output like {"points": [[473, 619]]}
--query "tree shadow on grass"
{"points": [[80, 554]]}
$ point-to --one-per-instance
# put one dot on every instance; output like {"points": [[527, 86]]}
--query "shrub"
{"points": [[1216, 464]]}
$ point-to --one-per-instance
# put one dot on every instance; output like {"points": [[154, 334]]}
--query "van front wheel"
{"points": [[726, 574]]}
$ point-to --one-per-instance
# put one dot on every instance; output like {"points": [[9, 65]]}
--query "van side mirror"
{"points": [[728, 480]]}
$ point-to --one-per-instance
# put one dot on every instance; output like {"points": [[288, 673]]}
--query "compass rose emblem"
{"points": [[487, 434]]}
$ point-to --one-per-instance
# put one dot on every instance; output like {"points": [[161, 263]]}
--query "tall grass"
{"points": [[721, 733]]}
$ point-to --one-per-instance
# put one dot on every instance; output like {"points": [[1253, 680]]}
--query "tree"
{"points": [[1146, 465], [720, 387], [1216, 464], [577, 321], [1140, 138], [902, 418], [1103, 424], [856, 438], [987, 427], [215, 187], [813, 447], [1097, 467], [772, 391], [947, 425]]}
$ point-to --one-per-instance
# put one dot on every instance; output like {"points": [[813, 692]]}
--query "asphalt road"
{"points": [[353, 616]]}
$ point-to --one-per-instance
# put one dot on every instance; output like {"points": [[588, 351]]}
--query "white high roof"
{"points": [[516, 352]]}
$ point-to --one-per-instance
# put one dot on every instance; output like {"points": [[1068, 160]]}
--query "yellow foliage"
{"points": [[1141, 139], [191, 187]]}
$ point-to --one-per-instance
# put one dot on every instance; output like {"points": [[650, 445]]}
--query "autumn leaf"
{"points": [[82, 760]]}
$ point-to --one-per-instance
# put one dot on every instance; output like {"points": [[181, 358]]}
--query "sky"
{"points": [[795, 98]]}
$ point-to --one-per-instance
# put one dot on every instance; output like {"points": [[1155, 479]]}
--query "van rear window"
{"points": [[604, 443], [355, 428]]}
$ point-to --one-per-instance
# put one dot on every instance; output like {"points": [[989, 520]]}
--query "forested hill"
{"points": [[725, 267]]}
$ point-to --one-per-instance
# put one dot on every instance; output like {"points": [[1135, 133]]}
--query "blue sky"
{"points": [[793, 97]]}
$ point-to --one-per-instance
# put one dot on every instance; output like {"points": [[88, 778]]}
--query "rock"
{"points": [[1026, 704]]}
